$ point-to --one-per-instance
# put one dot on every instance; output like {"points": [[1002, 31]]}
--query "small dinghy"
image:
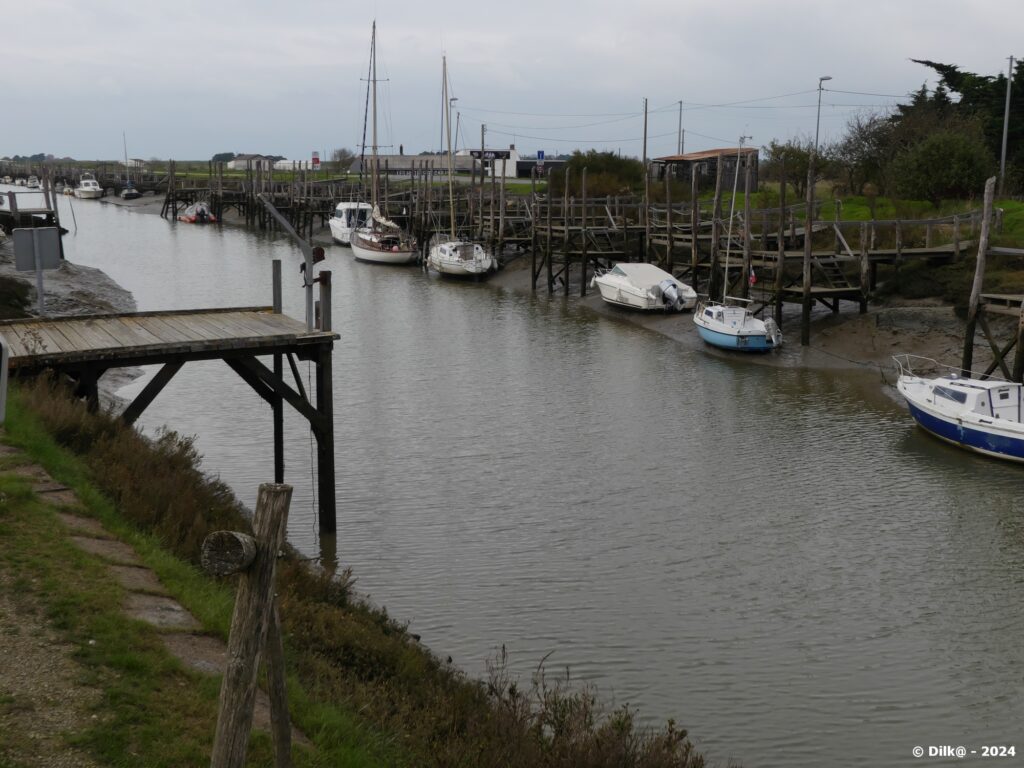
{"points": [[198, 213]]}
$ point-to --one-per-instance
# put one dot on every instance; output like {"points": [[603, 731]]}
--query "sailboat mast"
{"points": [[448, 130], [373, 135], [732, 210]]}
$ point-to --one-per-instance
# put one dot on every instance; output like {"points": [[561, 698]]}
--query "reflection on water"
{"points": [[775, 558]]}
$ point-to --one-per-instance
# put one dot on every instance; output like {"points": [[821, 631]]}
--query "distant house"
{"points": [[705, 165], [241, 162], [135, 163]]}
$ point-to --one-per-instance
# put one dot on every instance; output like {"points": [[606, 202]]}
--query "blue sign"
{"points": [[540, 155]]}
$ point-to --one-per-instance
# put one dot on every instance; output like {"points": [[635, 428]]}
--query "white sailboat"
{"points": [[454, 257], [383, 241], [729, 326]]}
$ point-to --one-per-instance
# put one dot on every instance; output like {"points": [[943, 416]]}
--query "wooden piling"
{"points": [[805, 309], [780, 256], [979, 277], [745, 274], [716, 231]]}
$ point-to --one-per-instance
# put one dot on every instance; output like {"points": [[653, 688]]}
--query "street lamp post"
{"points": [[817, 124]]}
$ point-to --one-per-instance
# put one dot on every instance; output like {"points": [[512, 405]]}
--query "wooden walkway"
{"points": [[152, 337], [82, 348]]}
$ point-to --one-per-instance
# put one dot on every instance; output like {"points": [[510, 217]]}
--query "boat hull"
{"points": [[742, 343], [966, 436], [89, 194], [375, 256]]}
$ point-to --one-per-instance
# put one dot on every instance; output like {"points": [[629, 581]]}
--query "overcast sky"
{"points": [[188, 79]]}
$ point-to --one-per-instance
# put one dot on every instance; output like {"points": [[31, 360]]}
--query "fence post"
{"points": [[227, 552]]}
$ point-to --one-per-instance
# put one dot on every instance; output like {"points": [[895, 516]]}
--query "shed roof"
{"points": [[706, 154]]}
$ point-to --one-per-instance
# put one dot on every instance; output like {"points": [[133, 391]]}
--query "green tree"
{"points": [[607, 174], [945, 164], [796, 155]]}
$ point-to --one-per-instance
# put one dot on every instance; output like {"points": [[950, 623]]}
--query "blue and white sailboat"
{"points": [[731, 326], [979, 415]]}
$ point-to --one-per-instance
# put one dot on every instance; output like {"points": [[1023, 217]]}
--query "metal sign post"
{"points": [[36, 249]]}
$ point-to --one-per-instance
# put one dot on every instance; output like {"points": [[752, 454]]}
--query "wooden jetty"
{"points": [[82, 348]]}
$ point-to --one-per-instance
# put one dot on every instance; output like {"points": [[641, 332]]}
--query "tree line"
{"points": [[935, 147]]}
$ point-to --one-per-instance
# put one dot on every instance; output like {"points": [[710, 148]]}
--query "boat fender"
{"points": [[773, 332]]}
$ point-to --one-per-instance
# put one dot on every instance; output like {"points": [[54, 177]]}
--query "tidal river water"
{"points": [[774, 557]]}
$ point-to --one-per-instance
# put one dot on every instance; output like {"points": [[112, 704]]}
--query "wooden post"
{"points": [[837, 210], [780, 257], [249, 624], [694, 225], [979, 278], [550, 204], [533, 230], [567, 221], [956, 238], [745, 274], [583, 248], [670, 242], [865, 269], [501, 214], [1018, 358], [805, 311], [277, 403]]}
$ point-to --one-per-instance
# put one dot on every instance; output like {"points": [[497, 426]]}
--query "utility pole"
{"points": [[681, 134], [1006, 126]]}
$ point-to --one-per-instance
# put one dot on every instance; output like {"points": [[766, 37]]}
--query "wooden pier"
{"points": [[83, 348]]}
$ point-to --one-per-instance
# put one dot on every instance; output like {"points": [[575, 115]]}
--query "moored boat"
{"points": [[198, 213], [33, 182], [381, 241], [130, 191], [984, 416], [730, 326], [459, 258], [644, 286], [348, 216], [88, 188]]}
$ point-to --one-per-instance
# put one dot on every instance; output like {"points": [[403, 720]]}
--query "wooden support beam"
{"points": [[149, 392], [979, 277]]}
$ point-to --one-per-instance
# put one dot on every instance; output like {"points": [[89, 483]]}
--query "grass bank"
{"points": [[361, 687]]}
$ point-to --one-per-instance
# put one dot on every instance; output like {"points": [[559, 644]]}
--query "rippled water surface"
{"points": [[775, 558]]}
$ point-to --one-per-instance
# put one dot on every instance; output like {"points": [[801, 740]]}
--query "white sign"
{"points": [[316, 161]]}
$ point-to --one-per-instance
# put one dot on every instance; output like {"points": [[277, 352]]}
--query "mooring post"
{"points": [[327, 507], [583, 249], [780, 258], [694, 224], [551, 267], [979, 278], [255, 558], [277, 402], [716, 229], [865, 269], [805, 311]]}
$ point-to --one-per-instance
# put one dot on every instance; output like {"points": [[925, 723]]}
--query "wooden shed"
{"points": [[705, 165]]}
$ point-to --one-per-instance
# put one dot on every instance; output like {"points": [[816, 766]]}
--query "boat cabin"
{"points": [[997, 399]]}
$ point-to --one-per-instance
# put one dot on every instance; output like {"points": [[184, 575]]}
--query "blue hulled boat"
{"points": [[982, 416], [733, 327]]}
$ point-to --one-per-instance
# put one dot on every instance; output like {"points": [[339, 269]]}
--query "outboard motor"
{"points": [[773, 332], [670, 295]]}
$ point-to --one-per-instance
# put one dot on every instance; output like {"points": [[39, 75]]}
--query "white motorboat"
{"points": [[347, 217], [33, 182], [644, 286], [88, 188], [382, 241], [7, 179], [451, 256], [984, 416]]}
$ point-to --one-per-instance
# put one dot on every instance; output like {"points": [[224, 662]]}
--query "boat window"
{"points": [[951, 394], [1004, 394], [709, 313], [617, 271]]}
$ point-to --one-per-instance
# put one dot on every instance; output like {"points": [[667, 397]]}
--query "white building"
{"points": [[241, 162]]}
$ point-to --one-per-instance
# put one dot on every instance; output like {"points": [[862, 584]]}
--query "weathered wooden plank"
{"points": [[144, 333]]}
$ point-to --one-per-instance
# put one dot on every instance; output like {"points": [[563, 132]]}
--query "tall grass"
{"points": [[344, 651]]}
